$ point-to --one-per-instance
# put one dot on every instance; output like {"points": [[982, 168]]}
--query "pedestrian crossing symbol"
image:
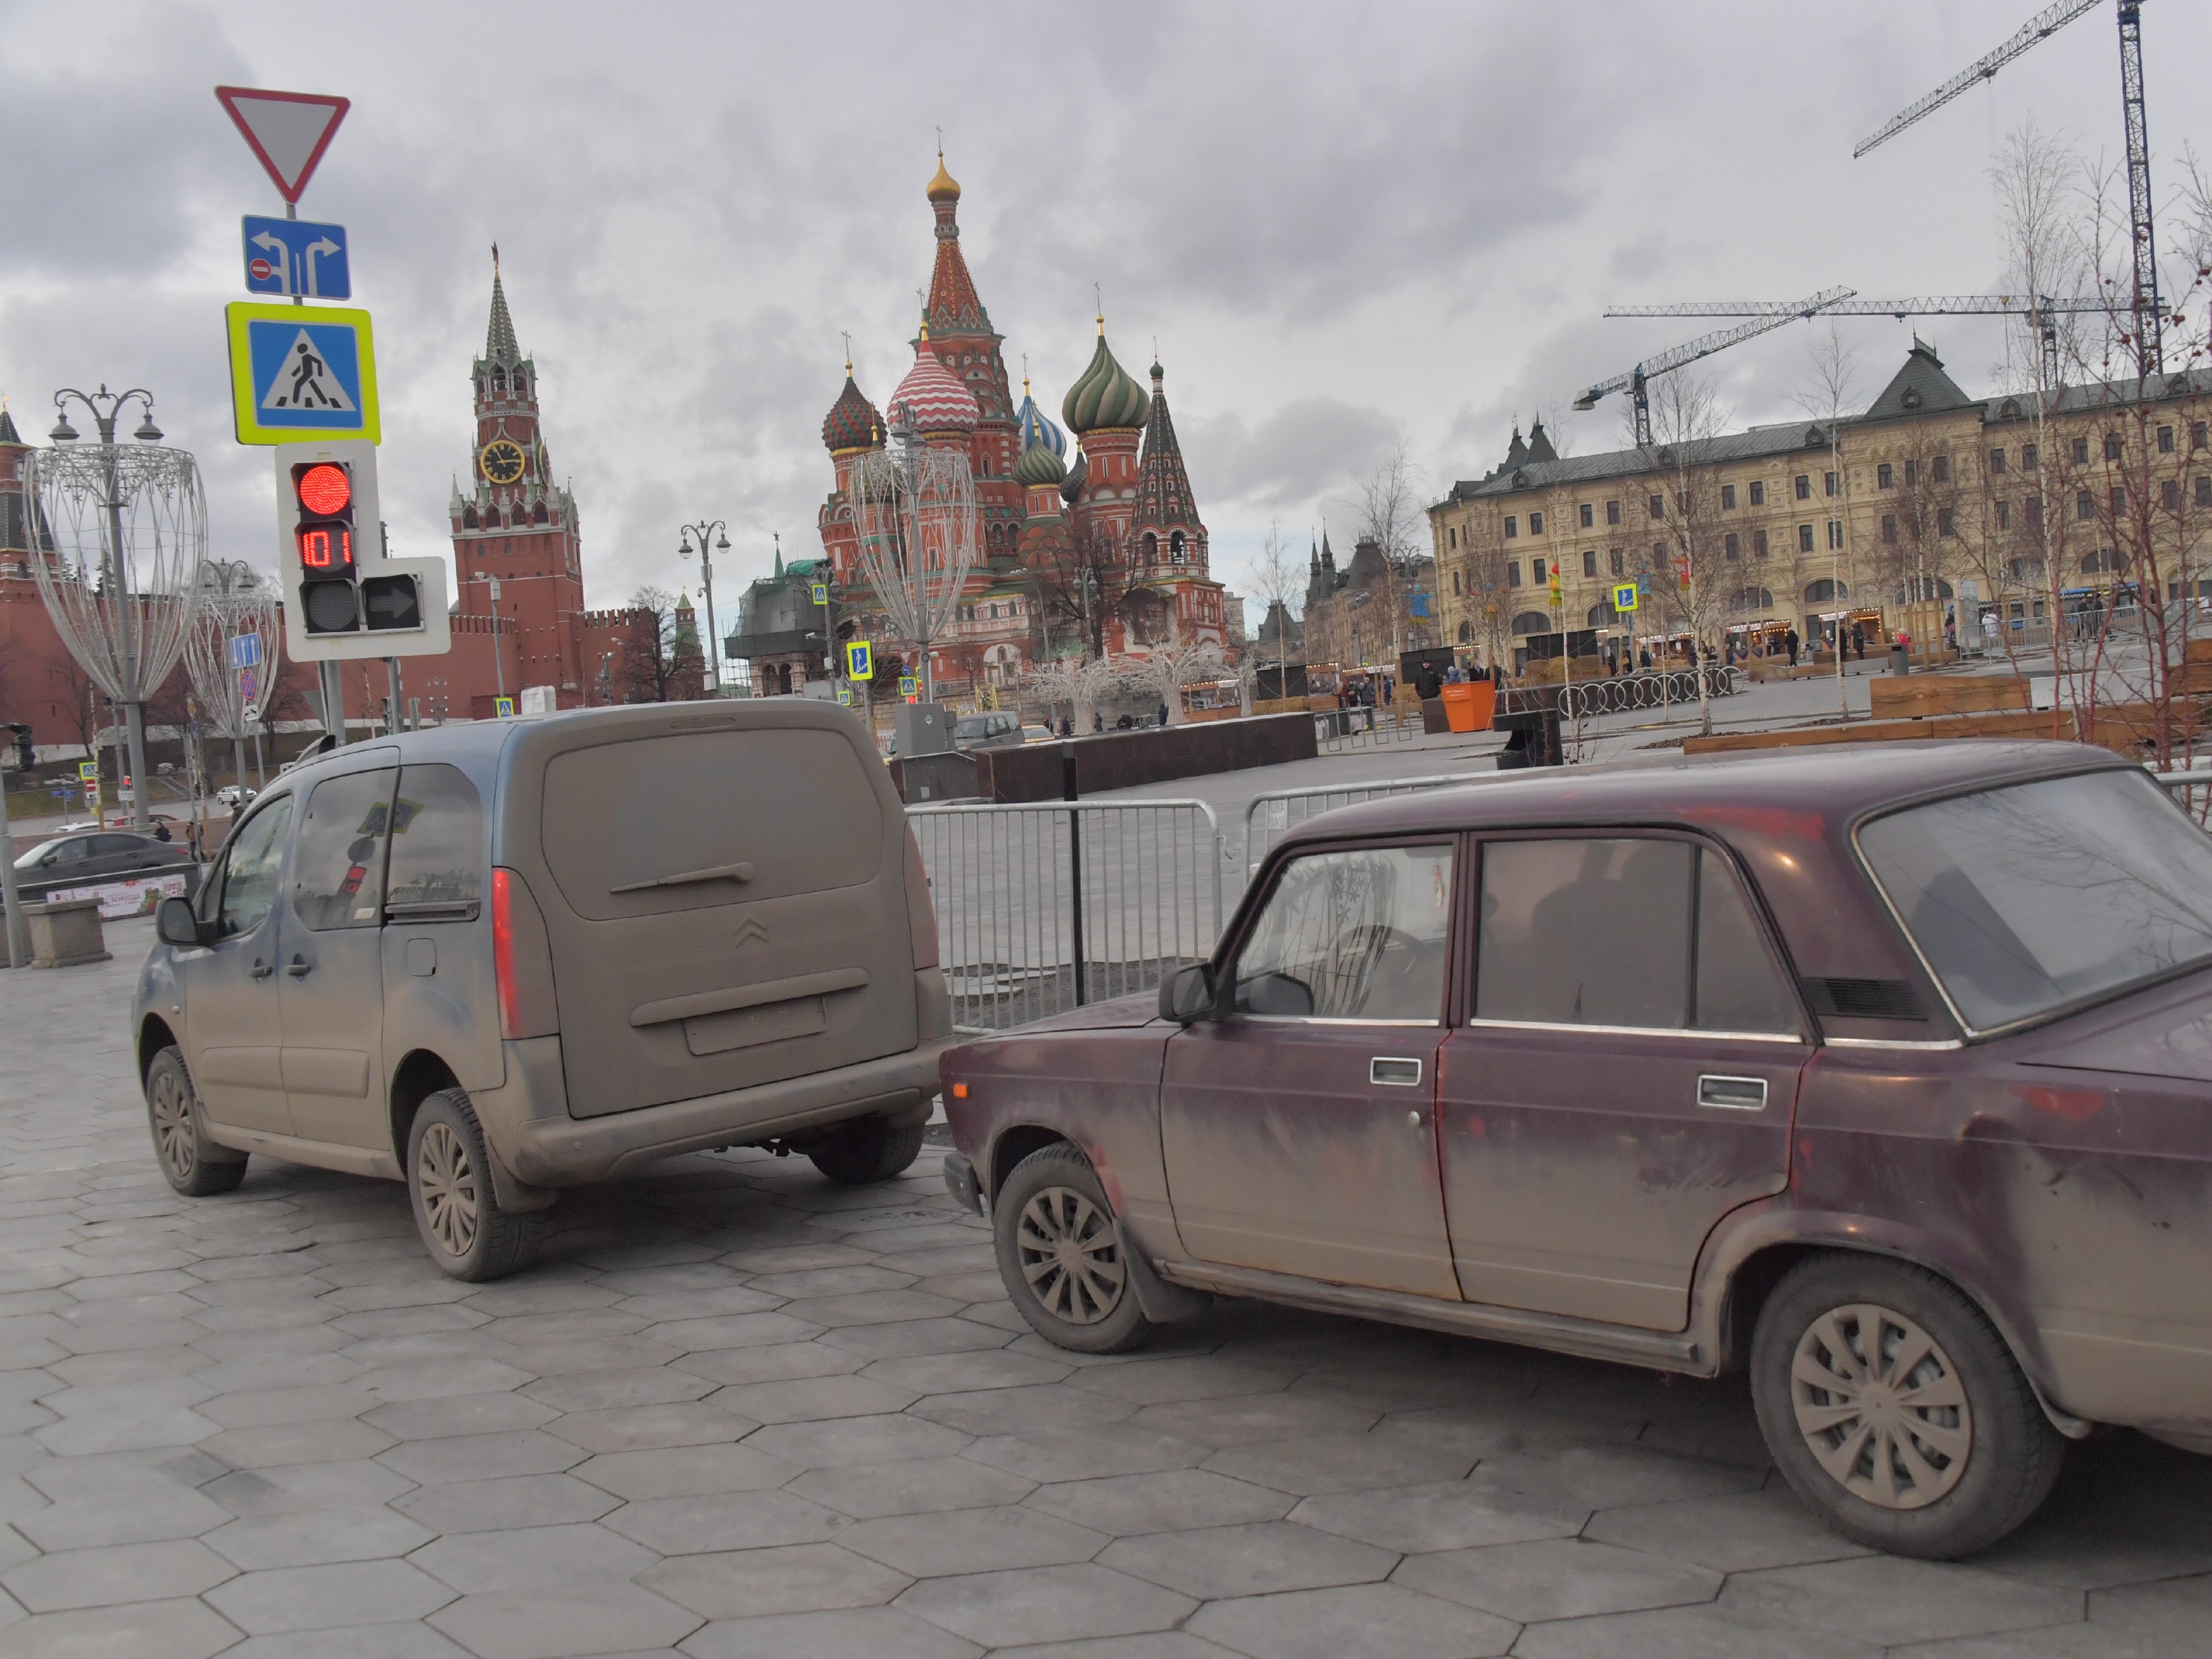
{"points": [[297, 373]]}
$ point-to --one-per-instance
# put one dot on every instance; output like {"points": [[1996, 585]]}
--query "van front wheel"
{"points": [[866, 1150]]}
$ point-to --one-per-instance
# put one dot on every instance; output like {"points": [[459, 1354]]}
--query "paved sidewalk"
{"points": [[738, 1412]]}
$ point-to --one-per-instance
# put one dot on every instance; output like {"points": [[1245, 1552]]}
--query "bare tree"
{"points": [[1829, 393], [1279, 578], [1388, 503], [659, 662], [1685, 418], [1170, 667]]}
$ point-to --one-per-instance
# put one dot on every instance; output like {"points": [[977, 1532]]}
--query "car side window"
{"points": [[256, 859], [338, 874], [1353, 935], [73, 851], [111, 845], [437, 847], [1629, 931]]}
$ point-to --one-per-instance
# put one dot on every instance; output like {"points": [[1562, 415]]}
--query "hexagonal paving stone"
{"points": [[845, 1633], [972, 1541], [477, 1562], [685, 1471], [760, 1583], [1045, 1604], [646, 1428], [553, 1622], [317, 1538], [1310, 1463], [1165, 1500], [726, 1520], [1353, 1622], [1735, 1532], [1450, 1516], [1251, 1559], [914, 1486], [310, 1598], [850, 1440], [116, 1573], [144, 1630], [1888, 1600], [523, 1500], [1085, 1454], [1557, 1578]]}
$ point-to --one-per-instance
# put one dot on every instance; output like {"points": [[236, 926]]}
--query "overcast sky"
{"points": [[1344, 224]]}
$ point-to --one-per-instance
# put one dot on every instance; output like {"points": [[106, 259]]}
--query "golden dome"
{"points": [[944, 188]]}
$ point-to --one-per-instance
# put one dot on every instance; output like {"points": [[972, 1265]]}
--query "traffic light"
{"points": [[24, 757], [322, 537], [343, 599]]}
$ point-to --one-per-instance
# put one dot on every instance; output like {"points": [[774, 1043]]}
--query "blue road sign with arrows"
{"points": [[245, 650], [296, 256]]}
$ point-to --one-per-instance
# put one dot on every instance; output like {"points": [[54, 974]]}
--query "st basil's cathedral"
{"points": [[1121, 513]]}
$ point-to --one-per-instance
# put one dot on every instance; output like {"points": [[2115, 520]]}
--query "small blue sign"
{"points": [[245, 650], [306, 375], [294, 257]]}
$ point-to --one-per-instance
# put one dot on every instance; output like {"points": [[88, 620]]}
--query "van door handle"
{"points": [[261, 969], [300, 968], [1394, 1071], [1735, 1094]]}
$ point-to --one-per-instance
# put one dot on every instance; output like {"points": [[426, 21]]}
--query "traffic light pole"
{"points": [[333, 700]]}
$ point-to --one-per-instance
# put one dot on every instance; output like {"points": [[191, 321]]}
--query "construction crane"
{"points": [[2039, 312], [1704, 345], [2148, 325]]}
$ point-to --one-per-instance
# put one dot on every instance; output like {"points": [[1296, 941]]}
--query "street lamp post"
{"points": [[719, 532]]}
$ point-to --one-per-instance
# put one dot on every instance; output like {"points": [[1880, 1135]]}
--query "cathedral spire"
{"points": [[498, 340]]}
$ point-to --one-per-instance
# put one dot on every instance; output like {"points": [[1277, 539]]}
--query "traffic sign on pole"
{"points": [[249, 687], [297, 373], [1624, 597], [294, 256], [860, 660], [245, 650], [821, 593], [287, 131], [502, 708], [88, 771]]}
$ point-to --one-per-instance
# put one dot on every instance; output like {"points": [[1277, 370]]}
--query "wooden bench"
{"points": [[1916, 696]]}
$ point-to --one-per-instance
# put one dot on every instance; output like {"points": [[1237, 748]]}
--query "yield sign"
{"points": [[288, 132]]}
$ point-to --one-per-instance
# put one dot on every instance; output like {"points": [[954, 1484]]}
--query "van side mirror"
{"points": [[175, 924], [1187, 995]]}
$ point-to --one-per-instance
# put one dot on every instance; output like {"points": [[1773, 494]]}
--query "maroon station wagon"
{"points": [[1885, 1072]]}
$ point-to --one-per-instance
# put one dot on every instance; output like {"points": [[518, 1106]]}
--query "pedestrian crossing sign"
{"points": [[502, 708], [820, 592], [88, 771], [1624, 597], [302, 372]]}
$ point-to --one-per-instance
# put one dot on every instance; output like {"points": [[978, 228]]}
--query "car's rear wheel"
{"points": [[1894, 1408], [191, 1163], [866, 1150], [1060, 1257], [456, 1208]]}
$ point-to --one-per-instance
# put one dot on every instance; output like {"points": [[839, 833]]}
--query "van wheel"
{"points": [[1896, 1410], [867, 1149], [1059, 1256], [192, 1164], [449, 1185]]}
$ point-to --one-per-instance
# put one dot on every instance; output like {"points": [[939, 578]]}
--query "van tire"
{"points": [[1053, 1198], [866, 1150], [449, 1187], [191, 1163]]}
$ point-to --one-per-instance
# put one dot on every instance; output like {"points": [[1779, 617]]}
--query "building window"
{"points": [[1944, 522], [2085, 505], [1942, 464], [1727, 495], [1758, 494], [1512, 571], [2169, 496], [1451, 537], [2112, 446], [1613, 512], [2120, 500], [1589, 559], [1535, 524], [1587, 514], [1912, 475], [1804, 482], [1884, 476], [1804, 539], [1835, 534], [1512, 525], [2196, 435], [1454, 584], [1996, 461], [1730, 547], [2165, 440], [1758, 543], [1658, 555], [1614, 562], [2081, 452], [1889, 528], [2204, 492], [2030, 456], [2004, 515], [2033, 510], [1829, 481], [1658, 506]]}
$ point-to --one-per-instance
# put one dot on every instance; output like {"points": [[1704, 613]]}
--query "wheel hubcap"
{"points": [[1881, 1406], [447, 1182], [1068, 1256], [172, 1127]]}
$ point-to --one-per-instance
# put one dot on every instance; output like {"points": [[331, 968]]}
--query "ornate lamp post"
{"points": [[719, 530], [130, 528]]}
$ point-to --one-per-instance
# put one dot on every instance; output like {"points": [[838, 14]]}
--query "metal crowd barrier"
{"points": [[1343, 731], [1618, 694], [1015, 942], [1271, 815]]}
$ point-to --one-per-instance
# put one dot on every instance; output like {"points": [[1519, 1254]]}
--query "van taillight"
{"points": [[502, 952]]}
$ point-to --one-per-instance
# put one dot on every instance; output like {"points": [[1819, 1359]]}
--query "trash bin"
{"points": [[1469, 708], [1532, 739], [1900, 662]]}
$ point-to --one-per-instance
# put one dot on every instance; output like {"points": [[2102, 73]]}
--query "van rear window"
{"points": [[641, 827]]}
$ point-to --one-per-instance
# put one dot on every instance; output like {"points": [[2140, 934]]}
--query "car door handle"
{"points": [[1734, 1094], [1394, 1071], [300, 968], [261, 969]]}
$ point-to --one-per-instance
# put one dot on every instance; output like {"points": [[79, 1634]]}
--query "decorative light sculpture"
{"points": [[235, 604], [913, 512]]}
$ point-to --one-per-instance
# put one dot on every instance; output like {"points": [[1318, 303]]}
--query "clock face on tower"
{"points": [[501, 460]]}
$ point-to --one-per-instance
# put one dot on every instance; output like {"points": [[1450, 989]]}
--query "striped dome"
{"points": [[939, 402], [1039, 465], [1036, 428], [1105, 395]]}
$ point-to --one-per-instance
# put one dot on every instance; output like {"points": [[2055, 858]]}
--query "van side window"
{"points": [[1629, 931], [1354, 935], [437, 847], [256, 859], [338, 874]]}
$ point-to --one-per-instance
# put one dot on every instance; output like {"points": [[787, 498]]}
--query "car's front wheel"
{"points": [[1894, 1408], [456, 1208], [191, 1163], [1060, 1257]]}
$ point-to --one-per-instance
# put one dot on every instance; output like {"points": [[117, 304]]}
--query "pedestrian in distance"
{"points": [[1858, 642], [1789, 643], [1163, 711]]}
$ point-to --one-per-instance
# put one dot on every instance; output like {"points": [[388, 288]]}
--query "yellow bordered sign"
{"points": [[302, 372], [1624, 597], [860, 660]]}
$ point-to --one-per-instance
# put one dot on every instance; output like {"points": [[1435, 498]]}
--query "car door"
{"points": [[63, 864], [1297, 1130], [332, 989], [1626, 1079], [232, 1029]]}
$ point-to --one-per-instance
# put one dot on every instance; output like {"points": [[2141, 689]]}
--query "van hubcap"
{"points": [[447, 1182], [172, 1127], [1881, 1406], [1065, 1244]]}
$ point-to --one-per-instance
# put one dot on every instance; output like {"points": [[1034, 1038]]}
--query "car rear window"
{"points": [[2028, 898]]}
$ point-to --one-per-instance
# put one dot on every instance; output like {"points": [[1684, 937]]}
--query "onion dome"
{"points": [[1039, 465], [1034, 427], [944, 188], [1071, 488], [1105, 395], [853, 423], [937, 399]]}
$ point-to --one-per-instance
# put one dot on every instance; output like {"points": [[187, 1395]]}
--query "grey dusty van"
{"points": [[499, 959]]}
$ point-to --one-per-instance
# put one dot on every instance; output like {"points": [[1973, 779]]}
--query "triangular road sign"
{"points": [[288, 132]]}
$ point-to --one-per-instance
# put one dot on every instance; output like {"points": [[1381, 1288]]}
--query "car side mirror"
{"points": [[1187, 995], [175, 924], [50, 861]]}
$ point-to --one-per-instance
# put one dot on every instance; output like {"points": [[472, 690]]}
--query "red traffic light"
{"points": [[324, 489]]}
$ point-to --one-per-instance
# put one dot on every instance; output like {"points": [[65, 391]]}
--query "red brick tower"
{"points": [[959, 330], [1166, 541]]}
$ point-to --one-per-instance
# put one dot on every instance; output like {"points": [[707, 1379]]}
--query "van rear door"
{"points": [[725, 894]]}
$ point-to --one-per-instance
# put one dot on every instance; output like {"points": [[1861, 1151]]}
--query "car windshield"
{"points": [[2027, 898]]}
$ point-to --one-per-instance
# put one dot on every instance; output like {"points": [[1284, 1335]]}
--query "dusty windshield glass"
{"points": [[2027, 898]]}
